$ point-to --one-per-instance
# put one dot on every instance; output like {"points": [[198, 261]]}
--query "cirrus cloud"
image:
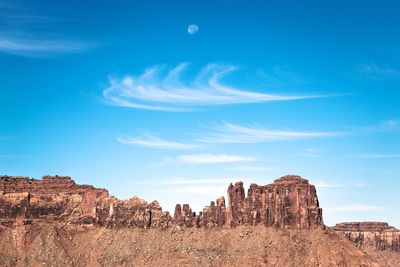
{"points": [[25, 33], [374, 71], [249, 168], [166, 90], [35, 47], [154, 142], [375, 156], [234, 133], [207, 158], [357, 207]]}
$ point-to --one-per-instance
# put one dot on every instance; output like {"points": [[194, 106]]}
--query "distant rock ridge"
{"points": [[60, 199], [289, 202], [378, 235]]}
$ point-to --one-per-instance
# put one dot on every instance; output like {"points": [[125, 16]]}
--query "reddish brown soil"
{"points": [[47, 245]]}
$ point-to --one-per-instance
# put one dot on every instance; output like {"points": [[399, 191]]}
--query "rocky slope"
{"points": [[378, 239], [55, 222], [378, 235], [50, 245]]}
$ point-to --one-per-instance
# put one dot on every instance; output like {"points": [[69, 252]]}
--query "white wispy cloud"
{"points": [[323, 184], [372, 70], [26, 34], [184, 181], [154, 142], [233, 133], [389, 124], [311, 153], [357, 207], [375, 156], [248, 168], [207, 158], [202, 158], [228, 133], [384, 126], [166, 90], [36, 47], [210, 187], [195, 190], [10, 156], [280, 75]]}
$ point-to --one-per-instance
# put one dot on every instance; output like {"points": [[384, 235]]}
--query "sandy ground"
{"points": [[48, 245]]}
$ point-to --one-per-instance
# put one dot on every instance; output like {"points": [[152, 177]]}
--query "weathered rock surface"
{"points": [[55, 222], [290, 202], [377, 235], [212, 216], [59, 199]]}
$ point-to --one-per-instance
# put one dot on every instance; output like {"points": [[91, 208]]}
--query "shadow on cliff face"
{"points": [[54, 221], [289, 202]]}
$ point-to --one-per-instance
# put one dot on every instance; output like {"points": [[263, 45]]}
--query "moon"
{"points": [[193, 29]]}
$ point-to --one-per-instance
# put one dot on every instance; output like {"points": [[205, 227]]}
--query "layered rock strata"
{"points": [[289, 202], [378, 235], [59, 199]]}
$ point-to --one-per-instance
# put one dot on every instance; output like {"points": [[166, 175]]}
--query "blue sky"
{"points": [[118, 94]]}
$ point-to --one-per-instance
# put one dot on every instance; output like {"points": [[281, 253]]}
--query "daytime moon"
{"points": [[193, 29]]}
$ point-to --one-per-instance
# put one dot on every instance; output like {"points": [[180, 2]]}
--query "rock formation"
{"points": [[54, 221], [59, 199], [379, 235], [290, 202]]}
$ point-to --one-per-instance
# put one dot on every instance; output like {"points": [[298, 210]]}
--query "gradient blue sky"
{"points": [[117, 94]]}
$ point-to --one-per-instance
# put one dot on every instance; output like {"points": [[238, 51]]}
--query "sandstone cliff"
{"points": [[290, 202], [54, 221], [378, 235], [59, 199]]}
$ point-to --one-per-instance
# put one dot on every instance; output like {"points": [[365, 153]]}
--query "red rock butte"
{"points": [[378, 235], [58, 222], [289, 202]]}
